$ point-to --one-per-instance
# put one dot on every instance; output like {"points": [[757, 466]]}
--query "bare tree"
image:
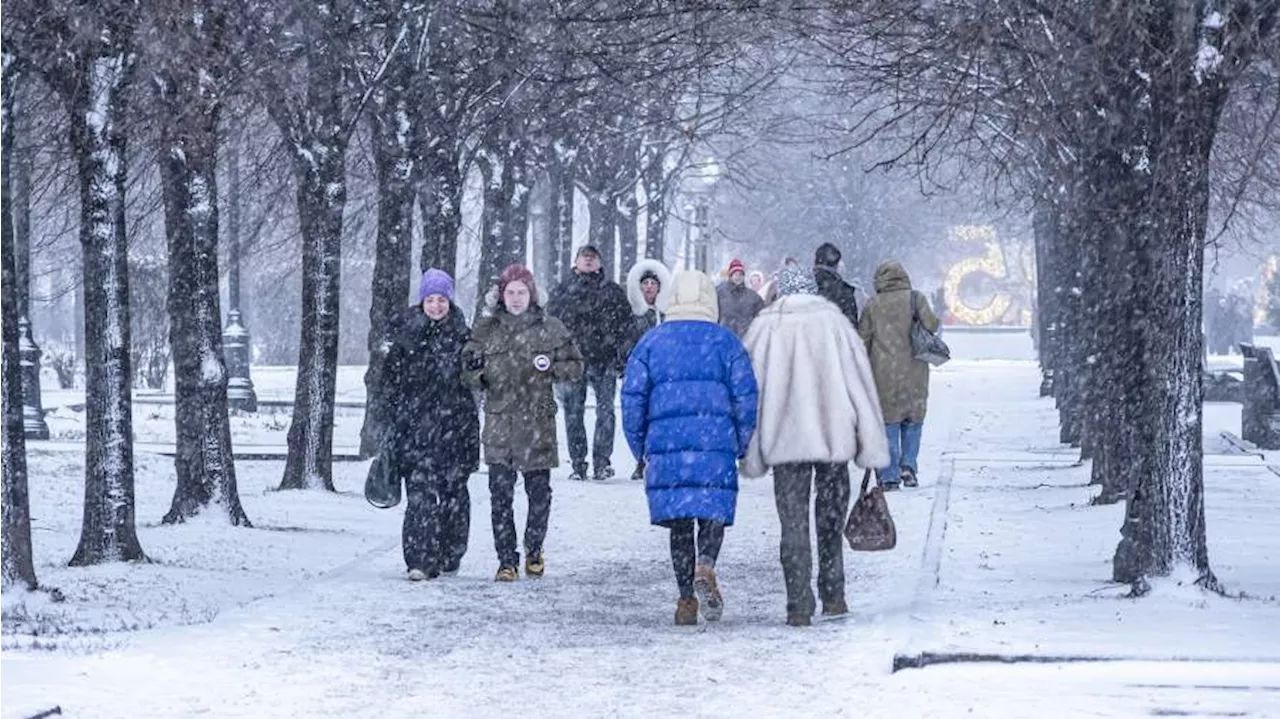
{"points": [[189, 82], [16, 566], [87, 55]]}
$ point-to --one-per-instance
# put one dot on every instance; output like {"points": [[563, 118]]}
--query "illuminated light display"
{"points": [[981, 290]]}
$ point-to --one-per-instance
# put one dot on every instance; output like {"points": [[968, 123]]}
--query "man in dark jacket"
{"points": [[598, 316], [434, 429], [739, 304], [831, 286]]}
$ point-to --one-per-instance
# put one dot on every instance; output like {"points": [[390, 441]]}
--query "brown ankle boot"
{"points": [[687, 612], [709, 599], [797, 619]]}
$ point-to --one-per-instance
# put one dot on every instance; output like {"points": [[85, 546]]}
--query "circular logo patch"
{"points": [[542, 363]]}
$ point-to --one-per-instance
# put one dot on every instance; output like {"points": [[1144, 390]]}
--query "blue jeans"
{"points": [[603, 381], [904, 450]]}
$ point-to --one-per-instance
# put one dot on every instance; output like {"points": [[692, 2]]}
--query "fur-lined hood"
{"points": [[665, 287]]}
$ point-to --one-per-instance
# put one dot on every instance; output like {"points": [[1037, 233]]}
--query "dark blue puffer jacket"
{"points": [[689, 407]]}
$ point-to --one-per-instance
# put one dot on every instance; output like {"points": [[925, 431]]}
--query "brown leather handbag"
{"points": [[870, 527]]}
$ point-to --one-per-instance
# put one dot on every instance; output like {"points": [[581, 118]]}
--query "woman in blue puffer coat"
{"points": [[688, 410]]}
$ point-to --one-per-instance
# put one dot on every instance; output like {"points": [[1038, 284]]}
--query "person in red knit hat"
{"points": [[517, 355], [739, 304]]}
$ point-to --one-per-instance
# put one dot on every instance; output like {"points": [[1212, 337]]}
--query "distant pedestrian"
{"points": [[831, 285], [434, 429], [597, 314], [818, 412], [516, 356], [689, 408], [901, 379], [755, 281], [649, 290], [738, 303]]}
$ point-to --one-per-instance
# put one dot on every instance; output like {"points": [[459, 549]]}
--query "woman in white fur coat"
{"points": [[818, 411]]}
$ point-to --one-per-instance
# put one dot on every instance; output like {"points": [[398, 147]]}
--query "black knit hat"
{"points": [[828, 255]]}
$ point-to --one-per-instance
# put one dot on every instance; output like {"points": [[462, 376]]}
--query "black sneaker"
{"points": [[579, 472], [909, 477], [889, 486], [603, 473], [638, 475]]}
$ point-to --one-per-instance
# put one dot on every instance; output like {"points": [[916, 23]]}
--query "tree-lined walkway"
{"points": [[1022, 568]]}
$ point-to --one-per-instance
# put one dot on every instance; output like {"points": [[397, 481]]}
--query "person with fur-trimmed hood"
{"points": [[689, 408], [649, 292], [818, 411], [517, 355]]}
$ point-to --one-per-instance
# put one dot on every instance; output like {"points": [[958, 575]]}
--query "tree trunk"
{"points": [[518, 185], [440, 198], [322, 195], [628, 233], [491, 226], [655, 190], [560, 215], [97, 101], [1164, 527], [604, 223], [188, 167], [16, 564], [393, 254]]}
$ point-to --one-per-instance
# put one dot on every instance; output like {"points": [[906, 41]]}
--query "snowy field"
{"points": [[308, 614]]}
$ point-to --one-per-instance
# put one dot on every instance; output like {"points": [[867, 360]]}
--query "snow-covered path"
{"points": [[595, 636]]}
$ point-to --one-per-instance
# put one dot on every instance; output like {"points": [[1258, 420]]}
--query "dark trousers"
{"points": [[502, 490], [686, 551], [830, 509], [437, 519], [573, 395]]}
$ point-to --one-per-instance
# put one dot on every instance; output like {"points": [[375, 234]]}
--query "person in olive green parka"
{"points": [[901, 380], [517, 355]]}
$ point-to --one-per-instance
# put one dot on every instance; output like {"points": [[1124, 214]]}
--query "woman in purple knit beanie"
{"points": [[433, 436]]}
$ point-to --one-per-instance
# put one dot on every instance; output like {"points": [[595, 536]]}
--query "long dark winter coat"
{"points": [[517, 360], [836, 290], [739, 305], [431, 411], [901, 379], [597, 315]]}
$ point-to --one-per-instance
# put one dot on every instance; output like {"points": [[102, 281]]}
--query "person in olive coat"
{"points": [[901, 380], [517, 355], [434, 429]]}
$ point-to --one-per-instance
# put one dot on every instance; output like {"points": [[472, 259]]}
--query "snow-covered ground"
{"points": [[999, 552]]}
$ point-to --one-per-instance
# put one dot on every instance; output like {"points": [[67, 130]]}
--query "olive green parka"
{"points": [[517, 360]]}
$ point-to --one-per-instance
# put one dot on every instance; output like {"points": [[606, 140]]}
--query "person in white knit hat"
{"points": [[818, 411]]}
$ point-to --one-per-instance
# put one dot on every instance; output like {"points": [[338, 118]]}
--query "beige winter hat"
{"points": [[694, 298]]}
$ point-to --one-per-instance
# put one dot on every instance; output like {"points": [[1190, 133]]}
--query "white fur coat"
{"points": [[665, 289], [818, 400]]}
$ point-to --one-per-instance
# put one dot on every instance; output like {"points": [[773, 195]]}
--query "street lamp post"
{"points": [[33, 424], [235, 337], [688, 236], [704, 177], [700, 219]]}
